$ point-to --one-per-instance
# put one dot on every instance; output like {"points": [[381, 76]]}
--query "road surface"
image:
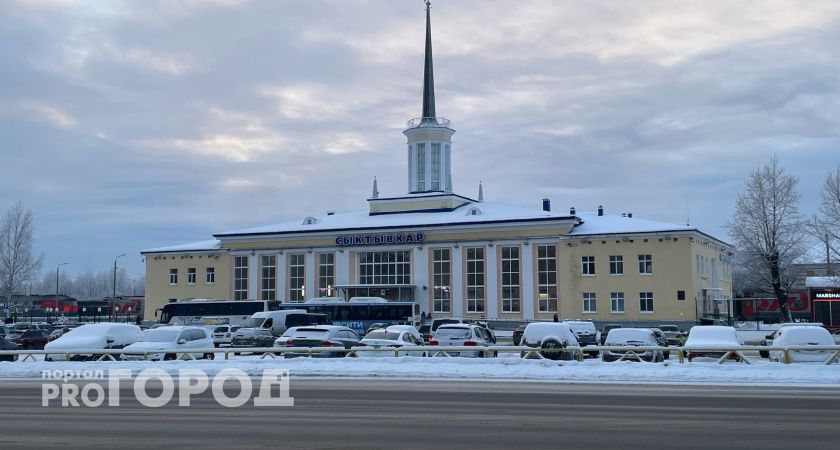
{"points": [[364, 414]]}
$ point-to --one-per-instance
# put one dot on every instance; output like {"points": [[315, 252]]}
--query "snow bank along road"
{"points": [[760, 372], [330, 413]]}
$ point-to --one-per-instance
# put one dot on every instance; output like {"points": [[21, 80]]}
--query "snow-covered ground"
{"points": [[509, 368]]}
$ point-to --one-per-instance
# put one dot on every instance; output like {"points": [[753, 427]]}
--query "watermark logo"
{"points": [[95, 388]]}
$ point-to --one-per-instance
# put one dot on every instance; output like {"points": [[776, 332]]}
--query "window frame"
{"points": [[587, 266], [511, 280], [645, 264], [589, 302], [614, 298], [616, 265]]}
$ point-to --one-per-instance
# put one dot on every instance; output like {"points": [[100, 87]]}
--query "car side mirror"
{"points": [[182, 341], [109, 340], [769, 336]]}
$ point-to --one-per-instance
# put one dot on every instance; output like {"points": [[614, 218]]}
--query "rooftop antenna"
{"points": [[480, 192], [375, 193], [687, 213]]}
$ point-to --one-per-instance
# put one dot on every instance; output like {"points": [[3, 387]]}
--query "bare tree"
{"points": [[17, 264], [768, 230], [829, 230]]}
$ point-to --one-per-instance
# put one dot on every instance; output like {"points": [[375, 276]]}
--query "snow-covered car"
{"points": [[169, 343], [632, 337], [768, 340], [556, 338], [796, 336], [223, 334], [92, 336], [393, 337], [462, 335], [322, 336], [585, 333], [703, 340], [672, 333], [55, 334]]}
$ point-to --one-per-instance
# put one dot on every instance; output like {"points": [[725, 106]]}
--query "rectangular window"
{"points": [[587, 266], [190, 275], [173, 276], [441, 281], [680, 295], [421, 167], [268, 272], [547, 278], [617, 302], [385, 267], [475, 280], [645, 265], [240, 277], [589, 305], [511, 298], [210, 275], [616, 265], [646, 302], [297, 276], [435, 167], [326, 274]]}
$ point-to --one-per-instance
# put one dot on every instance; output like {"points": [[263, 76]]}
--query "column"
{"points": [[342, 267], [310, 287], [456, 280], [253, 276], [526, 280], [281, 277], [420, 278], [492, 280]]}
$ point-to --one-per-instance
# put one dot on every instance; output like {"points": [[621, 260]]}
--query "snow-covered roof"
{"points": [[212, 244], [487, 212], [594, 224], [822, 282]]}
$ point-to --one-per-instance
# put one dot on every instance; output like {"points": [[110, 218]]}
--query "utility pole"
{"points": [[56, 282], [114, 292]]}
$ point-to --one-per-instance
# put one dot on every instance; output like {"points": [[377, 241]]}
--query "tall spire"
{"points": [[428, 71], [375, 193]]}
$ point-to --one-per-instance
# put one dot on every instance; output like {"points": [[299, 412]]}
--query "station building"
{"points": [[455, 255]]}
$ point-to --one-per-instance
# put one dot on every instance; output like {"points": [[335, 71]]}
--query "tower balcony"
{"points": [[420, 122]]}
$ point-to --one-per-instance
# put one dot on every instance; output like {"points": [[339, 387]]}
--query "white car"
{"points": [[281, 341], [169, 343], [92, 336], [704, 339], [461, 335], [550, 336], [632, 337], [806, 335], [223, 334], [393, 337]]}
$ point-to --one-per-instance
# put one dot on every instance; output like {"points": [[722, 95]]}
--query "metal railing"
{"points": [[629, 353], [419, 122]]}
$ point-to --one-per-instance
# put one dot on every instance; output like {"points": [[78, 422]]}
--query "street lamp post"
{"points": [[56, 282], [114, 293]]}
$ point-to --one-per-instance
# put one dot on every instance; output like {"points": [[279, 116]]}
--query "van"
{"points": [[263, 327]]}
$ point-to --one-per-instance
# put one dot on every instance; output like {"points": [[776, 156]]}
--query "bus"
{"points": [[213, 312], [359, 316]]}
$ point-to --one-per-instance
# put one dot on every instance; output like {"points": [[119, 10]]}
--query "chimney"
{"points": [[330, 212], [630, 215], [546, 204], [600, 210], [572, 211]]}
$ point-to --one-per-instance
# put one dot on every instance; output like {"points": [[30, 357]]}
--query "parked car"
{"points": [[6, 345], [281, 341], [585, 333], [446, 321], [376, 326], [770, 338], [93, 336], [58, 332], [662, 340], [517, 334], [806, 335], [605, 330], [463, 335], [557, 338], [169, 343], [223, 334], [33, 339], [394, 337], [322, 336], [263, 327], [673, 334], [703, 339], [632, 337]]}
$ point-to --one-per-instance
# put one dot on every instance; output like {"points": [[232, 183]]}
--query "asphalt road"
{"points": [[393, 414]]}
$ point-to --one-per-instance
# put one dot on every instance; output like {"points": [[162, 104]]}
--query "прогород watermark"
{"points": [[95, 388]]}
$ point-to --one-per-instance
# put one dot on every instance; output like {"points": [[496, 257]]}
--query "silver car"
{"points": [[223, 334], [462, 335]]}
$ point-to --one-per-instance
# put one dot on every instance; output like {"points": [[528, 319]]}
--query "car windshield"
{"points": [[387, 335], [220, 329], [807, 336], [453, 332], [620, 336], [669, 328], [255, 322], [310, 333], [87, 330], [439, 322], [161, 335]]}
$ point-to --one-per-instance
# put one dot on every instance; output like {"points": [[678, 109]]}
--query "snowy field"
{"points": [[761, 372]]}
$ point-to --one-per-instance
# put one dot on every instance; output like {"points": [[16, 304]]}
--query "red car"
{"points": [[32, 340]]}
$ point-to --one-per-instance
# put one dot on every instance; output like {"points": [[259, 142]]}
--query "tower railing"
{"points": [[420, 122]]}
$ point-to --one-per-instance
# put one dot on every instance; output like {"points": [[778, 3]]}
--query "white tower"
{"points": [[429, 137]]}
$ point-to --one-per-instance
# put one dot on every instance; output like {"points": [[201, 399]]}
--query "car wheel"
{"points": [[553, 353], [169, 357], [208, 356], [764, 353], [217, 345], [666, 355]]}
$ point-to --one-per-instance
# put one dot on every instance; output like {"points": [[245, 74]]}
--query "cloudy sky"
{"points": [[139, 124]]}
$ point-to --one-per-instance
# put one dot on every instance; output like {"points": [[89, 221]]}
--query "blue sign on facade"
{"points": [[380, 239]]}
